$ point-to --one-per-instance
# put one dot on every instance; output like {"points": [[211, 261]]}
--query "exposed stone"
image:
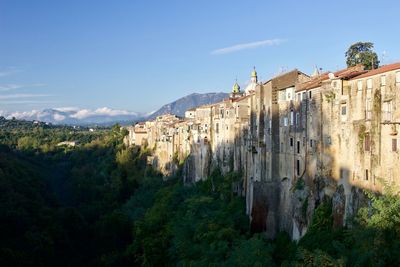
{"points": [[336, 133]]}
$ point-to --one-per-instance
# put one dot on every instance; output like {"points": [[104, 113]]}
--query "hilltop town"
{"points": [[295, 140]]}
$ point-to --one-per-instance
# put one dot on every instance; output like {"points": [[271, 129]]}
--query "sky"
{"points": [[138, 55]]}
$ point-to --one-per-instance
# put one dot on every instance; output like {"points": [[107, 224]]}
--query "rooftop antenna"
{"points": [[384, 53]]}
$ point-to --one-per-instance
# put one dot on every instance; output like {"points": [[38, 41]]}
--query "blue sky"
{"points": [[139, 55]]}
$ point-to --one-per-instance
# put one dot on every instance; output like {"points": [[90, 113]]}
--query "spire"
{"points": [[315, 73], [254, 72], [254, 75], [236, 88]]}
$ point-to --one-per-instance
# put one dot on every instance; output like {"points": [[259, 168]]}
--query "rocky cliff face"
{"points": [[296, 144]]}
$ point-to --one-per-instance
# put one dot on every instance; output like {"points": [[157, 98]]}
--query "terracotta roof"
{"points": [[313, 83], [240, 98], [340, 74], [383, 69], [350, 72]]}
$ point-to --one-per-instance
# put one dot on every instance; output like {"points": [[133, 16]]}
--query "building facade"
{"points": [[295, 140]]}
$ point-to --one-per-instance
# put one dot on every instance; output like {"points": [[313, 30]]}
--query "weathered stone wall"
{"points": [[327, 138]]}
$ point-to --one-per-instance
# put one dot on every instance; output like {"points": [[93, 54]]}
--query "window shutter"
{"points": [[383, 80], [369, 84], [367, 143], [359, 85]]}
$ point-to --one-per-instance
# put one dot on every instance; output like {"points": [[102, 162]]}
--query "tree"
{"points": [[362, 53]]}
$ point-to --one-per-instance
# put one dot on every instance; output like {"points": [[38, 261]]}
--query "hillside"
{"points": [[179, 106], [100, 204], [107, 116]]}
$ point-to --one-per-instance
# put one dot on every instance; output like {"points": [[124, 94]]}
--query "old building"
{"points": [[295, 140]]}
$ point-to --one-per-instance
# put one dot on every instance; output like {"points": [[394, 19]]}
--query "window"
{"points": [[285, 121], [344, 110], [398, 77], [383, 80], [291, 141], [282, 95], [369, 84], [217, 127], [297, 119], [328, 140], [298, 147], [311, 142], [394, 145], [309, 94], [299, 97], [298, 167], [367, 143], [291, 118], [368, 109], [304, 96], [387, 111], [359, 85], [366, 175]]}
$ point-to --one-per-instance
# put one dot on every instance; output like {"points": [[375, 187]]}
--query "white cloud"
{"points": [[16, 96], [59, 117], [67, 109], [21, 114], [252, 45], [85, 113], [55, 115], [9, 71], [14, 102], [9, 87]]}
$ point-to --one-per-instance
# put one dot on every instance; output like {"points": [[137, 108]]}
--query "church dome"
{"points": [[236, 88], [254, 72]]}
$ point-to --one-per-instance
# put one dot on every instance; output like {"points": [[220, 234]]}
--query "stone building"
{"points": [[296, 140]]}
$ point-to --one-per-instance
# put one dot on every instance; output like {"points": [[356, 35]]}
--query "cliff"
{"points": [[295, 141]]}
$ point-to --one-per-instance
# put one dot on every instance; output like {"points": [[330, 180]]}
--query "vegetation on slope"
{"points": [[98, 204]]}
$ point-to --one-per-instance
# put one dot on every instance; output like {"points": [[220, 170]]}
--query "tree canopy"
{"points": [[99, 204], [362, 53]]}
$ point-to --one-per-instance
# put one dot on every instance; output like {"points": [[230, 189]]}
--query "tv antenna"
{"points": [[384, 55]]}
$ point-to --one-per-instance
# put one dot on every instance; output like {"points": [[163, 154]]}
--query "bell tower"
{"points": [[254, 75], [236, 90]]}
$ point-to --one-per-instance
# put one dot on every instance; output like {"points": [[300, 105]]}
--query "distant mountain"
{"points": [[76, 116], [107, 116], [181, 105]]}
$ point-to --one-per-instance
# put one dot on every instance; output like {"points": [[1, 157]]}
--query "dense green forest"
{"points": [[99, 204]]}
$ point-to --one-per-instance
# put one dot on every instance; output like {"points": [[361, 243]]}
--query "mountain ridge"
{"points": [[179, 106], [107, 116]]}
